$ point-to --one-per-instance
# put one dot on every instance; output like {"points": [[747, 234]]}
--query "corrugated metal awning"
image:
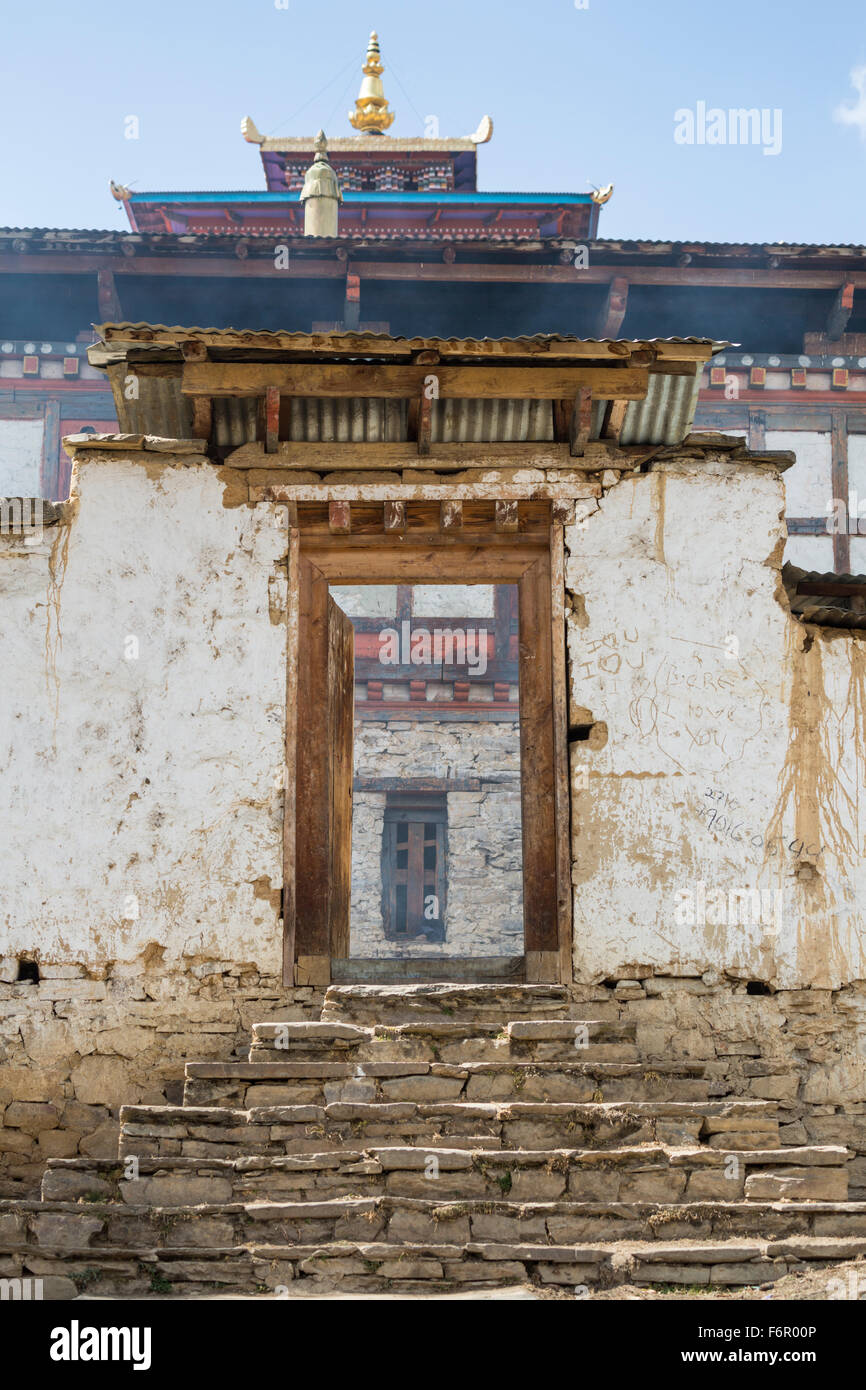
{"points": [[669, 371], [829, 600]]}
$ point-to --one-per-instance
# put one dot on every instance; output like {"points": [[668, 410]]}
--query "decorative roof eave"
{"points": [[241, 197], [356, 144], [378, 144]]}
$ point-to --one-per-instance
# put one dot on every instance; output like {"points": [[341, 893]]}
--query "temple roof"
{"points": [[389, 187], [367, 144], [372, 118]]}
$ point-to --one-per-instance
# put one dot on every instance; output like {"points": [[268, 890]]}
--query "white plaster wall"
{"points": [[857, 470], [20, 458], [732, 753], [810, 552], [858, 554], [143, 797], [808, 484]]}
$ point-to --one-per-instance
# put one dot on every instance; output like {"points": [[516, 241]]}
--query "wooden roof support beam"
{"points": [[443, 458], [392, 381], [840, 311], [352, 303], [202, 417], [395, 516], [839, 478], [614, 308], [272, 419], [614, 418], [562, 413], [425, 421], [506, 516], [451, 516], [340, 518], [581, 421], [839, 588], [194, 351], [107, 297]]}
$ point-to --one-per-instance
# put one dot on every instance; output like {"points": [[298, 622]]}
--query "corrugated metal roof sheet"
{"points": [[157, 334], [600, 243], [663, 417], [831, 608]]}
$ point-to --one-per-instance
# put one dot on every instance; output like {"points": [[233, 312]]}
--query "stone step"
{"points": [[56, 1225], [135, 1271], [448, 1041], [242, 1085], [458, 1002], [644, 1173], [165, 1131]]}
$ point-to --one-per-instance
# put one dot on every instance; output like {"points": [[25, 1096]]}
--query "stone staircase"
{"points": [[438, 1137]]}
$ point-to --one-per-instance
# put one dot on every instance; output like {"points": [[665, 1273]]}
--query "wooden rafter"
{"points": [[340, 518], [614, 418], [614, 308], [272, 419], [581, 421], [840, 311], [395, 516], [387, 380], [444, 458]]}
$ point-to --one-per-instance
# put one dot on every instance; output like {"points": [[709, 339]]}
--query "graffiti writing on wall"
{"points": [[722, 814]]}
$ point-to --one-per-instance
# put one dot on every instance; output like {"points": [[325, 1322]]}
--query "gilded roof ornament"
{"points": [[371, 114]]}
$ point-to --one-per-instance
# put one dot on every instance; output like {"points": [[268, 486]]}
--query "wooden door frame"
{"points": [[536, 564]]}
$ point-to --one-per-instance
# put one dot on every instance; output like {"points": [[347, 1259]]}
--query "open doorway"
{"points": [[372, 756], [437, 859]]}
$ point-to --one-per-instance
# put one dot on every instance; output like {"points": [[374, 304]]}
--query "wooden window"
{"points": [[414, 874]]}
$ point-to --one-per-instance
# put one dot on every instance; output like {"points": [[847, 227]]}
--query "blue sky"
{"points": [[577, 96]]}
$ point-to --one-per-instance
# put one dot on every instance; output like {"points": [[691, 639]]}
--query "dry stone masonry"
{"points": [[435, 1138], [484, 915]]}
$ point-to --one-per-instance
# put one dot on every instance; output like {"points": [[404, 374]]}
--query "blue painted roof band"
{"points": [[459, 199]]}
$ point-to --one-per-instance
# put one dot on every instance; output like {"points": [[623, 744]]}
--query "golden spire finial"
{"points": [[371, 113]]}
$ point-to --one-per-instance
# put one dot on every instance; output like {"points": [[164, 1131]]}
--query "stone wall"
{"points": [[801, 1047], [85, 1040], [484, 914]]}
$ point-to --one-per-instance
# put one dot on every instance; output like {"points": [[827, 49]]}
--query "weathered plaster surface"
{"points": [[734, 741], [142, 723], [141, 803]]}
